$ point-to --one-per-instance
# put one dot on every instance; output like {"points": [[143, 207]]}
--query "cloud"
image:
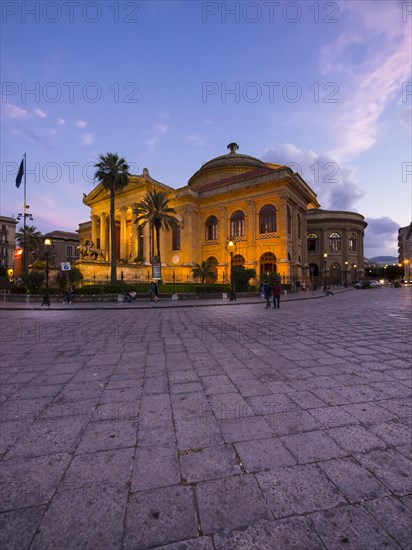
{"points": [[60, 122], [381, 237], [12, 111], [333, 182], [40, 113], [80, 123], [87, 138], [372, 60], [208, 121], [162, 129], [197, 140]]}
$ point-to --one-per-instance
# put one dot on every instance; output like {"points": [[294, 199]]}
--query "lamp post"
{"points": [[346, 273], [231, 248], [46, 297], [325, 257]]}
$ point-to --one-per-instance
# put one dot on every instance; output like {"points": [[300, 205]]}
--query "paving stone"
{"points": [[369, 413], [333, 416], [271, 404], [17, 527], [391, 468], [292, 420], [160, 516], [191, 405], [354, 481], [200, 543], [394, 517], [23, 410], [229, 406], [230, 502], [9, 433], [264, 454], [155, 467], [120, 395], [209, 463], [393, 433], [306, 399], [107, 435], [286, 534], [114, 411], [297, 490], [312, 447], [355, 439], [30, 482], [192, 433], [155, 411], [157, 436], [44, 437], [350, 528], [186, 387], [245, 429]]}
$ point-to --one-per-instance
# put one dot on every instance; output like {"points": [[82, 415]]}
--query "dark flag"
{"points": [[20, 174]]}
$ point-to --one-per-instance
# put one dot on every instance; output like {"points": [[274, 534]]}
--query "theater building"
{"points": [[262, 207]]}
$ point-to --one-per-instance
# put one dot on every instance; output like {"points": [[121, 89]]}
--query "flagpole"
{"points": [[24, 219]]}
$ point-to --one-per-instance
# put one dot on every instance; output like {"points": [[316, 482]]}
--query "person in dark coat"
{"points": [[267, 292], [277, 291]]}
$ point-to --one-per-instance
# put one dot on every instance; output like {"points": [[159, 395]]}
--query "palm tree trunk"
{"points": [[113, 276], [158, 243]]}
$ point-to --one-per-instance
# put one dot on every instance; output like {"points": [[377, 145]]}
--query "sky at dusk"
{"points": [[324, 87]]}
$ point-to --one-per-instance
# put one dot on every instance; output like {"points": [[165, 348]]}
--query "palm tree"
{"points": [[29, 238], [204, 271], [113, 173], [154, 209]]}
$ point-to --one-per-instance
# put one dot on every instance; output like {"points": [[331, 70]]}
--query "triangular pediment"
{"points": [[137, 183]]}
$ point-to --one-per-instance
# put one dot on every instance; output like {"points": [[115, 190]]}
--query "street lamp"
{"points": [[325, 256], [46, 297], [346, 273], [231, 248]]}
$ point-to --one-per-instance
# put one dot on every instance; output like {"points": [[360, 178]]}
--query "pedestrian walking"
{"points": [[277, 291], [267, 292], [152, 292]]}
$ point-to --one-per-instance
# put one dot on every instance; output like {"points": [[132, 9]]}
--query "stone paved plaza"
{"points": [[203, 428]]}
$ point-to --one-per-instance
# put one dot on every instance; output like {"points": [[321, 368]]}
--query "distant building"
{"points": [[335, 245], [64, 247], [7, 241], [405, 249]]}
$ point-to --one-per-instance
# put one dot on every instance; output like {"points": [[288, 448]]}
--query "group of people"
{"points": [[267, 291], [130, 296]]}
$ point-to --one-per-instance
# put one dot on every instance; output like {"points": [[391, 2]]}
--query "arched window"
{"points": [[289, 220], [335, 243], [211, 229], [299, 227], [352, 243], [238, 260], [267, 219], [237, 224], [313, 242]]}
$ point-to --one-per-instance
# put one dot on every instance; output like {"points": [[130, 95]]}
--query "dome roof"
{"points": [[225, 166]]}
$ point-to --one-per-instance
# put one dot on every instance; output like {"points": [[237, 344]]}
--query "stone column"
{"points": [[103, 235], [94, 229], [224, 232], [251, 232], [123, 236], [134, 243], [146, 245]]}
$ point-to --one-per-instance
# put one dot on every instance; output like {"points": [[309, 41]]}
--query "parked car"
{"points": [[374, 284], [358, 285]]}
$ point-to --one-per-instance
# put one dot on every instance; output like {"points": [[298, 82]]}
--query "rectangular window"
{"points": [[69, 251]]}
